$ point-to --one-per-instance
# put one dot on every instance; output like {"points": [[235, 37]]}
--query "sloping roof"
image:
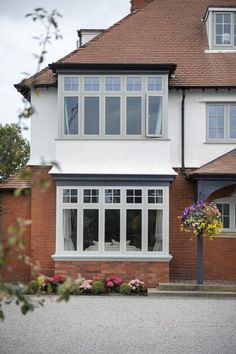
{"points": [[163, 32], [225, 164], [15, 181]]}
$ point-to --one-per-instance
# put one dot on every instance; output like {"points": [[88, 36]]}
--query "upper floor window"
{"points": [[223, 29], [221, 121], [113, 106]]}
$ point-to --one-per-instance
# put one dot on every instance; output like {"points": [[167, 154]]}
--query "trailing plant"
{"points": [[202, 218]]}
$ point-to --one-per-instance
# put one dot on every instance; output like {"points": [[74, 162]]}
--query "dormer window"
{"points": [[221, 28], [225, 29]]}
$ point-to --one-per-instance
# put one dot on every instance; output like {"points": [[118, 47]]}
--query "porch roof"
{"points": [[224, 165]]}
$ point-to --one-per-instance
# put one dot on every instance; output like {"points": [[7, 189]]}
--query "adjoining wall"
{"points": [[219, 254], [43, 126], [197, 150], [182, 245], [13, 208], [43, 213], [149, 272]]}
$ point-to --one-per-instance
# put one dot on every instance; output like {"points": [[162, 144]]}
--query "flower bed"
{"points": [[65, 287]]}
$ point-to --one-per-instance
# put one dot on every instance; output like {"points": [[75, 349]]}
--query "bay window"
{"points": [[112, 221], [118, 106]]}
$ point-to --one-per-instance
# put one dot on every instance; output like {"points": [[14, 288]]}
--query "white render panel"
{"points": [[113, 157], [43, 126], [197, 150]]}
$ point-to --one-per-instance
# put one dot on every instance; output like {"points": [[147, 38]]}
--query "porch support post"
{"points": [[200, 258]]}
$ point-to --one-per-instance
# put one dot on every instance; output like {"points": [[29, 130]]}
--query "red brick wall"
{"points": [[182, 245], [43, 213], [14, 208], [149, 272], [219, 254]]}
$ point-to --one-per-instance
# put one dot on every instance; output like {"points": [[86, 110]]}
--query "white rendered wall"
{"points": [[129, 156], [114, 157], [197, 150], [43, 126]]}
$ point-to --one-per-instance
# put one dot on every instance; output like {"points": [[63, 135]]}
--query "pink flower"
{"points": [[57, 278], [110, 284]]}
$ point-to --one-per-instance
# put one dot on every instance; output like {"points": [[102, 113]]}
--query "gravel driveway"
{"points": [[122, 325]]}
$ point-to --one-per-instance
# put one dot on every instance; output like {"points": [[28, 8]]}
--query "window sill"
{"points": [[211, 51], [228, 235], [112, 138], [228, 142], [102, 257]]}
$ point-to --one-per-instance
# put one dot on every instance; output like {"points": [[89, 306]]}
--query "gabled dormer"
{"points": [[221, 28]]}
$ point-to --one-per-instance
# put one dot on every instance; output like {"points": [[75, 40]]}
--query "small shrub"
{"points": [[124, 289], [137, 286], [32, 287], [86, 286], [98, 287], [113, 283]]}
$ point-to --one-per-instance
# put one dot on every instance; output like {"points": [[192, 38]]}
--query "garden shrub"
{"points": [[32, 287], [98, 288], [124, 289]]}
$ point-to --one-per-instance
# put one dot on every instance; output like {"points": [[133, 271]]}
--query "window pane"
{"points": [[154, 83], [224, 209], [154, 115], [112, 115], [112, 84], [134, 196], [133, 230], [155, 233], [223, 29], [69, 195], [112, 230], [70, 229], [216, 121], [133, 115], [155, 196], [112, 196], [90, 229], [232, 118], [134, 83], [91, 196], [91, 83], [235, 29], [91, 115], [71, 84], [71, 106]]}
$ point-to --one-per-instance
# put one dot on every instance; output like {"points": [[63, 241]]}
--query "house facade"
{"points": [[141, 121]]}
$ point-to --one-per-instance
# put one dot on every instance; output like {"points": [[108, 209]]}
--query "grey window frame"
{"points": [[122, 94], [226, 138], [233, 29]]}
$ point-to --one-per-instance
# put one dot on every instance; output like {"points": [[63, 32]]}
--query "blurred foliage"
{"points": [[14, 150], [14, 154]]}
